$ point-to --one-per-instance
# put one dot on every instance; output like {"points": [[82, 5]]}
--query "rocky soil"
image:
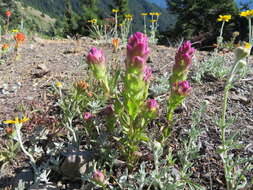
{"points": [[25, 84]]}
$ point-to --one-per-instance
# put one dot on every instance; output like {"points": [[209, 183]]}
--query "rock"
{"points": [[43, 67], [75, 164], [240, 98], [45, 187]]}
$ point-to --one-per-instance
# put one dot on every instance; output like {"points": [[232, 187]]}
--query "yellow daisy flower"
{"points": [[115, 10], [144, 14], [16, 121], [223, 18]]}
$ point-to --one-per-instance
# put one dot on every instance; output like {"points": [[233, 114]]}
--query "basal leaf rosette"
{"points": [[137, 74], [183, 61], [96, 61]]}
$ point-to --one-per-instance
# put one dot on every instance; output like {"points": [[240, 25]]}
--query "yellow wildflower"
{"points": [[58, 84], [120, 25], [115, 10], [157, 14], [144, 14], [152, 14], [15, 31], [248, 13], [129, 16], [224, 18], [247, 45], [93, 21], [16, 121], [152, 21]]}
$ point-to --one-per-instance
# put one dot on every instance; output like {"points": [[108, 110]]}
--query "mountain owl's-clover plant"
{"points": [[136, 80], [136, 111], [180, 87], [96, 61]]}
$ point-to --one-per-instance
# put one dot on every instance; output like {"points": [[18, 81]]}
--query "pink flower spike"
{"points": [[95, 56], [182, 88], [137, 46], [152, 105], [184, 56], [147, 73], [87, 116], [98, 176]]}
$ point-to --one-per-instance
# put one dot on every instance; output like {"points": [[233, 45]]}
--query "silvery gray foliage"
{"points": [[21, 185], [214, 65], [160, 86], [166, 175]]}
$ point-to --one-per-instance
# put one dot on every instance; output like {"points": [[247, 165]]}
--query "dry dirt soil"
{"points": [[24, 84]]}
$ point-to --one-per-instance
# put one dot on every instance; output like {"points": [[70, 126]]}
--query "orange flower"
{"points": [[90, 94], [19, 37], [8, 13], [81, 85], [115, 43], [9, 130], [5, 47]]}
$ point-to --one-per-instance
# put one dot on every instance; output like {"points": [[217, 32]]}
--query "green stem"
{"points": [[32, 160], [69, 127], [250, 31], [145, 27], [223, 118], [116, 24], [221, 30], [18, 130]]}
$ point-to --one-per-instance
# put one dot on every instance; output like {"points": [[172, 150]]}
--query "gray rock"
{"points": [[75, 164]]}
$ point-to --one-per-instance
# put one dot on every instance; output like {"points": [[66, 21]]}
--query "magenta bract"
{"points": [[147, 73], [182, 88], [152, 105], [137, 47], [87, 115], [184, 56], [96, 56], [98, 176]]}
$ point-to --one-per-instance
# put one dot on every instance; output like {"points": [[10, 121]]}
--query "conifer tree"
{"points": [[199, 17], [70, 19], [15, 17], [122, 5], [90, 11]]}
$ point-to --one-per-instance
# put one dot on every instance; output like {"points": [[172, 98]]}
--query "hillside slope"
{"points": [[55, 8]]}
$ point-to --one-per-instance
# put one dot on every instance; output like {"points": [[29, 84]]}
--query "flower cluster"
{"points": [[183, 61], [128, 17], [96, 61], [144, 14], [19, 38], [180, 87], [8, 13], [224, 18], [153, 21], [115, 10], [152, 105], [247, 13], [16, 121], [92, 21], [154, 14], [5, 47], [137, 51]]}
